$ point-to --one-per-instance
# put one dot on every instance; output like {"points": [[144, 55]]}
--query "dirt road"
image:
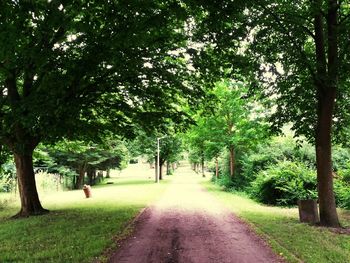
{"points": [[188, 225]]}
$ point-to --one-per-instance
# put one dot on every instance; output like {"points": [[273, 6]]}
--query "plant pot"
{"points": [[308, 211]]}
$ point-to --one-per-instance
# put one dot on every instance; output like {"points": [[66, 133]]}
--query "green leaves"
{"points": [[79, 68], [66, 156], [284, 183], [236, 121]]}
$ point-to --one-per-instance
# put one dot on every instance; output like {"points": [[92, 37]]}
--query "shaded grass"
{"points": [[77, 229], [295, 241]]}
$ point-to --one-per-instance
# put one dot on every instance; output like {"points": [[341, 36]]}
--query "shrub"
{"points": [[342, 193], [340, 158], [7, 177], [226, 182], [284, 183], [278, 150]]}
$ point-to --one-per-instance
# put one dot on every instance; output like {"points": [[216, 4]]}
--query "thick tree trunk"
{"points": [[216, 168], [326, 83], [232, 161], [108, 174], [30, 203], [328, 212]]}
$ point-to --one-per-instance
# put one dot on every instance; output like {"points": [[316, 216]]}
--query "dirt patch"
{"points": [[340, 231], [188, 225]]}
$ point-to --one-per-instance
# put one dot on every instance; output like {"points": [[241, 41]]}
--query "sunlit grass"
{"points": [[280, 227], [77, 229]]}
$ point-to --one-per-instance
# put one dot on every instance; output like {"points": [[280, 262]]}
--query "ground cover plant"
{"points": [[78, 229], [294, 241]]}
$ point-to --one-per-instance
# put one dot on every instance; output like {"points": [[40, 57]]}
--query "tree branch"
{"points": [[11, 85], [28, 81], [292, 39]]}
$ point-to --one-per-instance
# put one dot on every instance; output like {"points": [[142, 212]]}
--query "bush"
{"points": [[226, 182], [284, 183], [340, 158], [7, 177], [342, 193], [278, 150]]}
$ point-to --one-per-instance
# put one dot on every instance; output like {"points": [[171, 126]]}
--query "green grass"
{"points": [[77, 229], [295, 241]]}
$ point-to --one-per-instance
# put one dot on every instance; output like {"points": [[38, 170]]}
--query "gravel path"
{"points": [[188, 225]]}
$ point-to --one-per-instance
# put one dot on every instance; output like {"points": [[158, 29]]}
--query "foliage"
{"points": [[312, 81], [284, 183], [298, 52], [7, 177], [341, 159], [86, 66], [236, 124], [170, 147], [280, 148], [342, 193], [82, 69], [69, 158]]}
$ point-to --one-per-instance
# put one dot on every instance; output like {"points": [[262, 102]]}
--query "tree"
{"points": [[300, 53], [313, 76], [234, 124], [196, 143], [75, 69], [84, 158], [170, 148]]}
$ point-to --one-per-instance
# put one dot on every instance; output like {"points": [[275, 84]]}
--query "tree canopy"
{"points": [[77, 69], [81, 69]]}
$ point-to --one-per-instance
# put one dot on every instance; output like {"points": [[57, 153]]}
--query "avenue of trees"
{"points": [[74, 72]]}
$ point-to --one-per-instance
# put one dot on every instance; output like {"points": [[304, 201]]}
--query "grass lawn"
{"points": [[77, 229], [280, 227]]}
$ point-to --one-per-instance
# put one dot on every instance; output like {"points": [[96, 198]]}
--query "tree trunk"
{"points": [[202, 164], [328, 212], [30, 203], [216, 168], [326, 83], [156, 168], [108, 174], [80, 178], [160, 170], [90, 175], [232, 161], [167, 168]]}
